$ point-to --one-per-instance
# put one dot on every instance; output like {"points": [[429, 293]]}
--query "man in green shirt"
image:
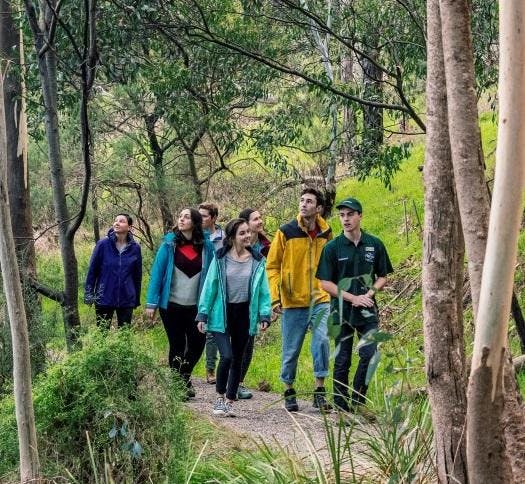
{"points": [[363, 257]]}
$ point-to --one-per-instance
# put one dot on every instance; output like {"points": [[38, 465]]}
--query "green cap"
{"points": [[351, 203]]}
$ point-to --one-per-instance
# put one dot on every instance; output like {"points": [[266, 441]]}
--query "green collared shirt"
{"points": [[342, 259]]}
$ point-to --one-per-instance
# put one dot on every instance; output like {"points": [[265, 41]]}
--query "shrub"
{"points": [[109, 412]]}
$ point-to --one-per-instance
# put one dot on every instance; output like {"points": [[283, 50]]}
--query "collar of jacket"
{"points": [[224, 250], [111, 235], [320, 221]]}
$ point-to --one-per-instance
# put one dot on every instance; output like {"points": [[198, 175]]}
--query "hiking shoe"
{"points": [[190, 391], [230, 412], [210, 377], [243, 393], [219, 407], [290, 400], [320, 400]]}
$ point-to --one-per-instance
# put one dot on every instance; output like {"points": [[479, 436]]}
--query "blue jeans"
{"points": [[295, 322]]}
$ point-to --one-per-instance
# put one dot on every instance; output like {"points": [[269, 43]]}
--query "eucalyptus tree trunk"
{"points": [[443, 252], [465, 139], [150, 121], [11, 52], [372, 116], [43, 26], [348, 127], [322, 45], [488, 449], [25, 418], [47, 67]]}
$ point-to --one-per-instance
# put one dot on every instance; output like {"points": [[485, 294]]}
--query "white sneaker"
{"points": [[230, 412], [219, 408]]}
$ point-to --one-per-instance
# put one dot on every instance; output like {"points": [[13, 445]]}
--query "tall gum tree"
{"points": [[44, 20], [25, 418], [443, 252], [11, 53], [494, 456]]}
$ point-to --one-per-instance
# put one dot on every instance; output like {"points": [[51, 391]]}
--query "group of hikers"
{"points": [[217, 288]]}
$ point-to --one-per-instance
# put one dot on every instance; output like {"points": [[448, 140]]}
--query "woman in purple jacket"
{"points": [[115, 274]]}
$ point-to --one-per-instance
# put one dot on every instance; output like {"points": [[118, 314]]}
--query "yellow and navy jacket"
{"points": [[292, 264]]}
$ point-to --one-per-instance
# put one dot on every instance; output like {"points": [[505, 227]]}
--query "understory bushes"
{"points": [[106, 413]]}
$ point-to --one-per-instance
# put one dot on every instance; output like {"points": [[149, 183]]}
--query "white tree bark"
{"points": [[25, 419], [490, 342]]}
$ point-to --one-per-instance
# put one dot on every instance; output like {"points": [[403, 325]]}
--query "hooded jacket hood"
{"points": [[224, 250]]}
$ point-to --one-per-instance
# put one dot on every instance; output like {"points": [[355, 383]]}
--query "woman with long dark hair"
{"points": [[177, 277], [115, 274], [234, 303], [259, 243]]}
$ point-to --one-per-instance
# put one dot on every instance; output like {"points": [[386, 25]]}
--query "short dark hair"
{"points": [[318, 195], [230, 231], [128, 218], [245, 214], [212, 208]]}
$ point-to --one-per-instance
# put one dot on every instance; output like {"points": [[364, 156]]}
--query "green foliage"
{"points": [[114, 393], [399, 443]]}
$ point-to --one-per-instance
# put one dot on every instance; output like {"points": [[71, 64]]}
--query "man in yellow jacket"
{"points": [[296, 293]]}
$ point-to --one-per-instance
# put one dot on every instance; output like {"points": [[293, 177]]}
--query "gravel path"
{"points": [[263, 417]]}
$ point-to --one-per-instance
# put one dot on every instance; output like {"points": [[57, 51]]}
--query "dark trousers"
{"points": [[247, 357], [343, 361], [185, 340], [231, 345], [104, 316]]}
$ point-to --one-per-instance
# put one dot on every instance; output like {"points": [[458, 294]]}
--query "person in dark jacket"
{"points": [[115, 274]]}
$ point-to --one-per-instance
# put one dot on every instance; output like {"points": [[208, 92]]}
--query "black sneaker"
{"points": [[320, 400], [190, 391], [290, 400]]}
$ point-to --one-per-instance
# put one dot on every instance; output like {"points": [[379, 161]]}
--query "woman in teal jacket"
{"points": [[234, 302], [177, 278]]}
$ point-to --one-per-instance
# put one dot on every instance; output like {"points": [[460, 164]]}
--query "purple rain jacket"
{"points": [[114, 277]]}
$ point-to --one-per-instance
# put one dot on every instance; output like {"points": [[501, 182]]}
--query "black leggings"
{"points": [[105, 315], [231, 345], [247, 357], [186, 341]]}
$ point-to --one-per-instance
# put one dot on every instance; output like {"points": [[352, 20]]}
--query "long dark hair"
{"points": [[231, 231], [246, 213], [197, 236]]}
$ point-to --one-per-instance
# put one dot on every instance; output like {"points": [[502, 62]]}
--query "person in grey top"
{"points": [[234, 303]]}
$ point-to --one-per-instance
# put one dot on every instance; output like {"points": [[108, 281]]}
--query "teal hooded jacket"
{"points": [[213, 299], [162, 271]]}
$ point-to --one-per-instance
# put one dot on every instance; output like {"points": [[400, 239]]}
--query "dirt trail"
{"points": [[263, 417]]}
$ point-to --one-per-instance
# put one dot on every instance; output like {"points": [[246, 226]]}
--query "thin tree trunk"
{"points": [[11, 50], [25, 419], [166, 213], [94, 209], [443, 274], [488, 447], [190, 155], [322, 45], [348, 128], [372, 116], [43, 29], [465, 140]]}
